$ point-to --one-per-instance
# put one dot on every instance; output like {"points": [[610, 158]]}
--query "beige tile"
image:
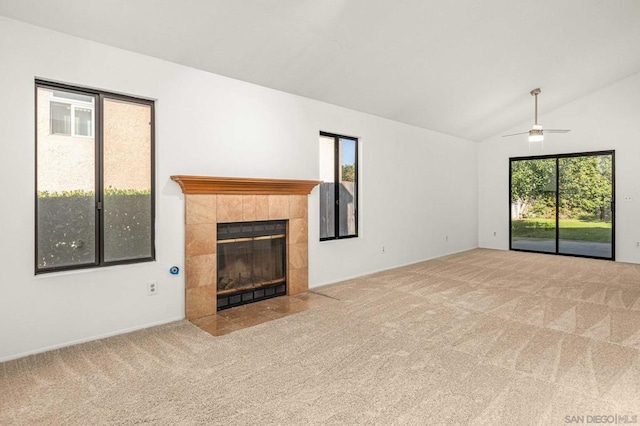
{"points": [[278, 207], [286, 305], [298, 231], [200, 208], [225, 328], [298, 206], [250, 321], [298, 255], [274, 315], [312, 300], [210, 322], [229, 208], [200, 270], [241, 313], [200, 239], [200, 301], [262, 207], [248, 207], [216, 325], [251, 314], [298, 281]]}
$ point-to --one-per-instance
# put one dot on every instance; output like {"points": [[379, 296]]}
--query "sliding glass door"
{"points": [[533, 205], [563, 204]]}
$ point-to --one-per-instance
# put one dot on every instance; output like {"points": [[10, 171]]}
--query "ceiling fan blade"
{"points": [[516, 134], [556, 131]]}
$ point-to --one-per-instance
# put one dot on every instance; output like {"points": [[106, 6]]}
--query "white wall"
{"points": [[603, 120], [417, 186]]}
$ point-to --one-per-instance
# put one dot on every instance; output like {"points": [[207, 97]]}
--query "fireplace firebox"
{"points": [[252, 262]]}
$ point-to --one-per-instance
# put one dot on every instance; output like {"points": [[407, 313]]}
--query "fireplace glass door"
{"points": [[251, 262]]}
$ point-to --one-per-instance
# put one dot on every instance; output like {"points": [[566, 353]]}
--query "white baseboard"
{"points": [[388, 269], [88, 339]]}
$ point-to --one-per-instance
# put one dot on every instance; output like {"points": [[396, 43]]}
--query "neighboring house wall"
{"points": [[416, 186], [67, 163], [603, 120], [127, 145]]}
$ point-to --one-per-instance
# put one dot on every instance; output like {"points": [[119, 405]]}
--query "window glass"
{"points": [[66, 214], [60, 118], [83, 121], [347, 187], [338, 192], [127, 180], [327, 187], [94, 190]]}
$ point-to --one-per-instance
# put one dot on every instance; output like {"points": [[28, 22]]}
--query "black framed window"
{"points": [[94, 178], [339, 190]]}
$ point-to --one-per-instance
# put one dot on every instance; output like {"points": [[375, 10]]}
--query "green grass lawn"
{"points": [[570, 229]]}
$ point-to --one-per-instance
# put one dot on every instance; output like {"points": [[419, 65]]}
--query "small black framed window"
{"points": [[94, 178], [339, 190]]}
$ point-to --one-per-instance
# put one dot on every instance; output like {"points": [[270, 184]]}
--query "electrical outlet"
{"points": [[627, 198], [446, 238], [152, 288], [494, 233], [383, 249], [638, 244]]}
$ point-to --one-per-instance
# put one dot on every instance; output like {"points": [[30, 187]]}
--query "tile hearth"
{"points": [[241, 317]]}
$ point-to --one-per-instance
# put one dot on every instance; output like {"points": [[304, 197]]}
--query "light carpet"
{"points": [[482, 337]]}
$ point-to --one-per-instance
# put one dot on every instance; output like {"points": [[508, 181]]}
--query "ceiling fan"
{"points": [[536, 134]]}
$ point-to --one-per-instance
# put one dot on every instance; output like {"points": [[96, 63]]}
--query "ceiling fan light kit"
{"points": [[536, 134]]}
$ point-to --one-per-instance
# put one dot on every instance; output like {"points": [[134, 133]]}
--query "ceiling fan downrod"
{"points": [[535, 93]]}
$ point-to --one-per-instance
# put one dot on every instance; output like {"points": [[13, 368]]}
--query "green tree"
{"points": [[584, 182], [348, 173], [532, 186], [585, 187]]}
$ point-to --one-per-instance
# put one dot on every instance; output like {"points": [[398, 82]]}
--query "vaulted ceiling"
{"points": [[461, 67]]}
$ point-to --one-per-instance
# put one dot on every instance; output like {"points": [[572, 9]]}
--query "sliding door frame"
{"points": [[557, 158]]}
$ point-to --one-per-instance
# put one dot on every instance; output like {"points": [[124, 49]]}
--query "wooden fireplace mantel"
{"points": [[249, 186]]}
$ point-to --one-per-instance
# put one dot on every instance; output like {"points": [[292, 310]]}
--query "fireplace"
{"points": [[211, 201], [251, 262]]}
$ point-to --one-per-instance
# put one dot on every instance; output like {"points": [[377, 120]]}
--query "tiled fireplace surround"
{"points": [[213, 200]]}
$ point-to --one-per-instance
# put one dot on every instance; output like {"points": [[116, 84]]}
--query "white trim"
{"points": [[352, 277], [89, 339]]}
